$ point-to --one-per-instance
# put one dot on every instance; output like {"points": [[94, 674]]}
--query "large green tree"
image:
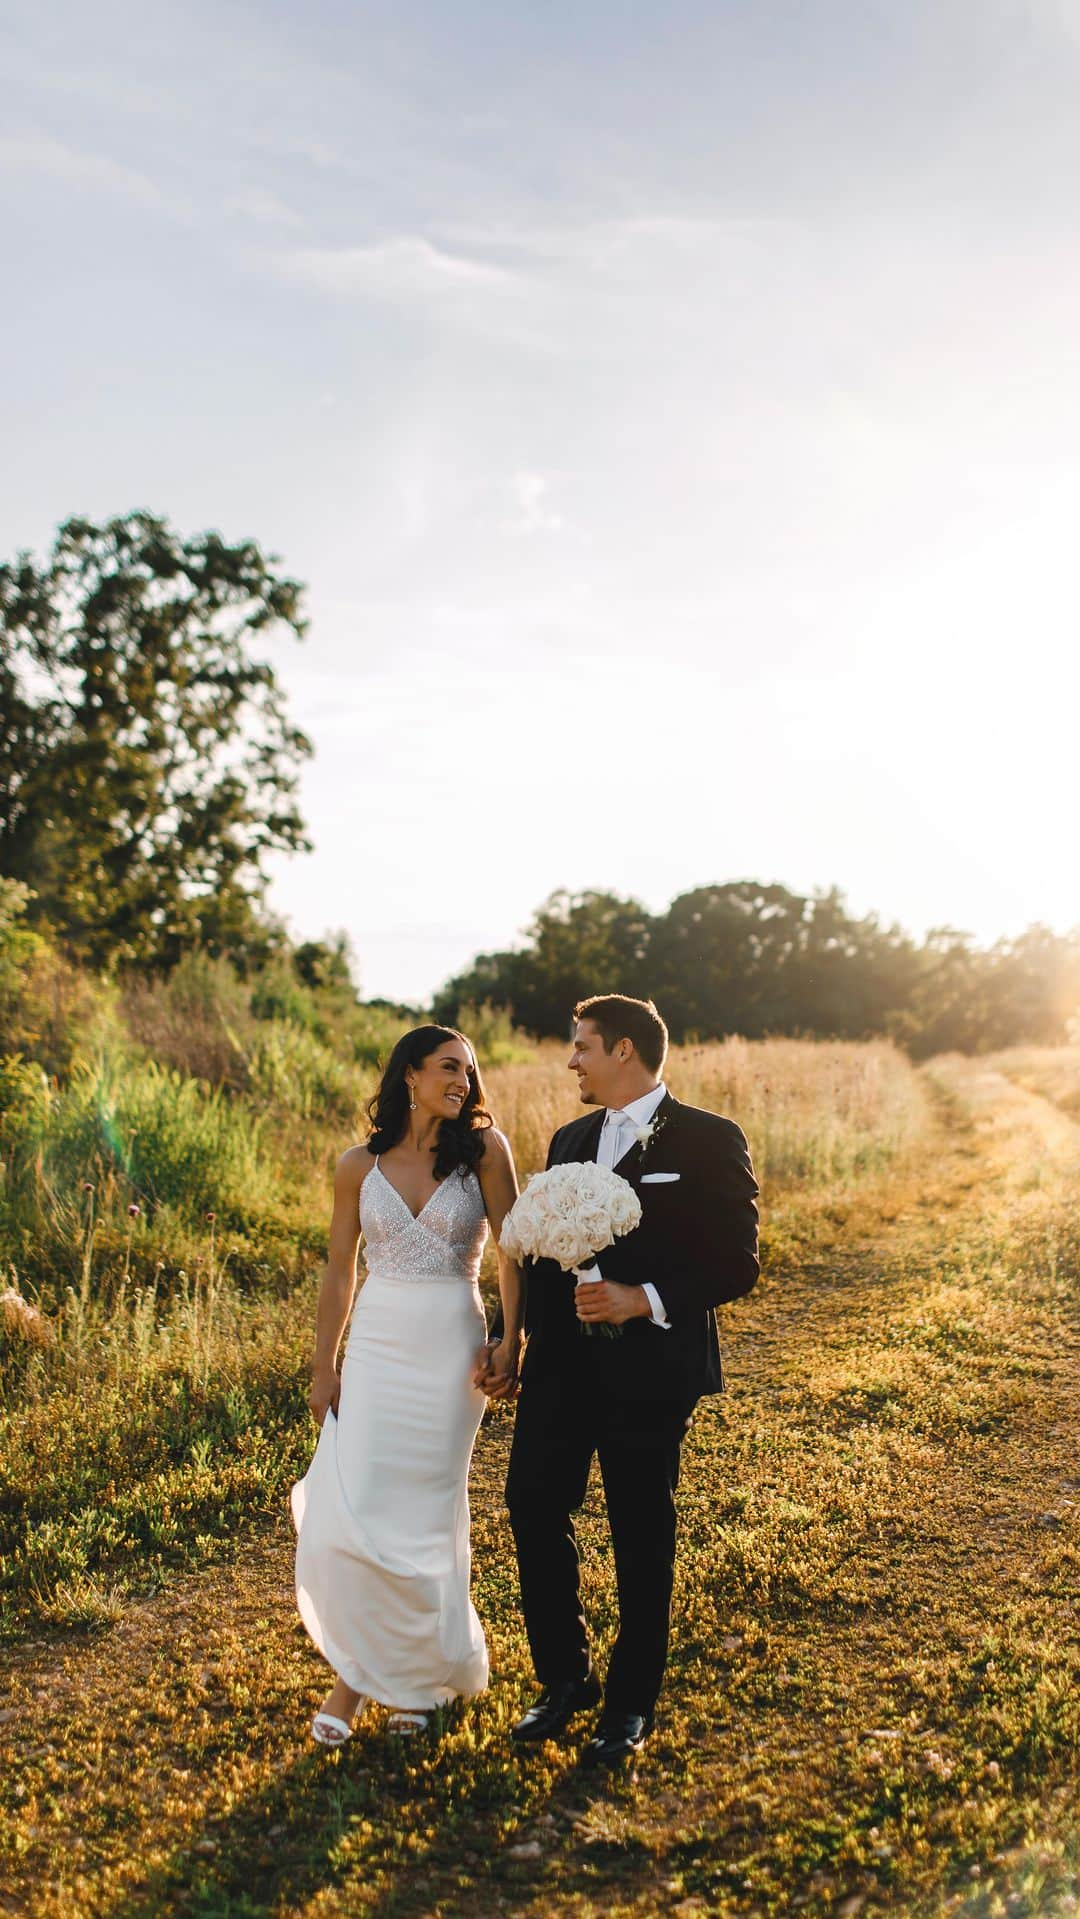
{"points": [[756, 959], [147, 764], [577, 943]]}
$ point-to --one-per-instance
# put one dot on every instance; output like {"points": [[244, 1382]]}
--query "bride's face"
{"points": [[440, 1084]]}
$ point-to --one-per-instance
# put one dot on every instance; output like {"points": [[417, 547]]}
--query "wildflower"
{"points": [[211, 1217], [134, 1211], [88, 1185]]}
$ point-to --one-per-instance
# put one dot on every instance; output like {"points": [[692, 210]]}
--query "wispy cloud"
{"points": [[621, 240], [325, 155], [400, 268], [264, 209], [33, 153]]}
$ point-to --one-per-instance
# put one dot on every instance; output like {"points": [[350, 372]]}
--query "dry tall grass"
{"points": [[1051, 1071], [811, 1110]]}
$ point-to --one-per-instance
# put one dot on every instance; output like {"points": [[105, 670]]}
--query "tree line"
{"points": [[741, 957], [148, 767]]}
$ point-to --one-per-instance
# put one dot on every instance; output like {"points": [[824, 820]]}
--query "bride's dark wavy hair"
{"points": [[461, 1140]]}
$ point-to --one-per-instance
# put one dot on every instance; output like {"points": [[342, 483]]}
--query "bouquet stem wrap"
{"points": [[598, 1328]]}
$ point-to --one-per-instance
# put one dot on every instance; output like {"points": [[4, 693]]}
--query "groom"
{"points": [[628, 1398]]}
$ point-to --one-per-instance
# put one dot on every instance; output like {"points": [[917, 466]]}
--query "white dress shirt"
{"points": [[617, 1135]]}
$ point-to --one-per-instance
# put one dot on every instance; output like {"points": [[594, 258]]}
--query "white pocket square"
{"points": [[658, 1179]]}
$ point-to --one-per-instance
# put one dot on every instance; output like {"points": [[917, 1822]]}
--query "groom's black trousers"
{"points": [[561, 1422]]}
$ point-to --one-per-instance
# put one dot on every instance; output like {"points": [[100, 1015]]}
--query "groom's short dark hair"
{"points": [[616, 1016]]}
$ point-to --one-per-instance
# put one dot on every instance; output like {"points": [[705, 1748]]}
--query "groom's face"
{"points": [[597, 1071]]}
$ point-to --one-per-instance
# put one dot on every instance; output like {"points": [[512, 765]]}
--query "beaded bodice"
{"points": [[444, 1241]]}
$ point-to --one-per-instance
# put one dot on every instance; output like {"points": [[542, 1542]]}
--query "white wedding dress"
{"points": [[382, 1517]]}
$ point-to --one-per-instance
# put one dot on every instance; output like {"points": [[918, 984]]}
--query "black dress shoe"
{"points": [[555, 1707], [617, 1737]]}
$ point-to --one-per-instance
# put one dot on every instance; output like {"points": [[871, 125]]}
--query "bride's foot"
{"points": [[333, 1723], [406, 1724]]}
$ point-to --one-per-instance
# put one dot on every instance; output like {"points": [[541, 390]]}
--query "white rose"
{"points": [[596, 1226], [564, 1245], [508, 1238], [625, 1210]]}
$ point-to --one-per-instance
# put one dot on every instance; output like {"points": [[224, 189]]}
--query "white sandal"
{"points": [[326, 1730], [407, 1724]]}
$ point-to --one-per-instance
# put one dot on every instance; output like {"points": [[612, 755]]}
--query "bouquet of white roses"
{"points": [[569, 1214]]}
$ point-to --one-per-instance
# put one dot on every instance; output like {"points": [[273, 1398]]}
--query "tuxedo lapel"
{"points": [[629, 1166], [584, 1139]]}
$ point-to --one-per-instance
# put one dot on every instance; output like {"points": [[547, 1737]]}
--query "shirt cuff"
{"points": [[656, 1305]]}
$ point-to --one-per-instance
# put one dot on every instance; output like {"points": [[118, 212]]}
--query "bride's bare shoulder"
{"points": [[497, 1148], [354, 1166]]}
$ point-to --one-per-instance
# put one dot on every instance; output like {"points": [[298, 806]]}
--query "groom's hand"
{"points": [[604, 1301], [496, 1370]]}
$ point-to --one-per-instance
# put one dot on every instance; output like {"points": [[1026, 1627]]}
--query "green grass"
{"points": [[154, 1432]]}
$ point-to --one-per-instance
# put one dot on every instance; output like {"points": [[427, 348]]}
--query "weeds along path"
{"points": [[873, 1699]]}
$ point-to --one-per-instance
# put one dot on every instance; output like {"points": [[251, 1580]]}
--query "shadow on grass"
{"points": [[397, 1827]]}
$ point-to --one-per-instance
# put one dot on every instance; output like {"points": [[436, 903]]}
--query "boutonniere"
{"points": [[646, 1134]]}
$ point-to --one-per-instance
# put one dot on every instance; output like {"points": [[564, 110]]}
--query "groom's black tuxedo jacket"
{"points": [[696, 1243]]}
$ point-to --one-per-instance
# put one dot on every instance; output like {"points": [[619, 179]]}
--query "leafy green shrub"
{"points": [[494, 1035], [169, 1138], [372, 1029], [17, 943], [289, 1068], [278, 994], [25, 1102], [49, 1008]]}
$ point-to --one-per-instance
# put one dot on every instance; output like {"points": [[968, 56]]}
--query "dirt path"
{"points": [[891, 1485]]}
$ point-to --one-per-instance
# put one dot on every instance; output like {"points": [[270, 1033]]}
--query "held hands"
{"points": [[496, 1370], [325, 1392], [606, 1302]]}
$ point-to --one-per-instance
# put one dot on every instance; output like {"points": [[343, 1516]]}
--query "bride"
{"points": [[382, 1517]]}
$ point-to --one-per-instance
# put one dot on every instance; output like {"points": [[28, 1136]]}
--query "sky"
{"points": [[673, 410]]}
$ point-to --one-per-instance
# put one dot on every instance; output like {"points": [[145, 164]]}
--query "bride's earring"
{"points": [[412, 1102]]}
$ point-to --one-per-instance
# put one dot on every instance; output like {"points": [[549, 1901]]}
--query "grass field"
{"points": [[874, 1693], [164, 1412]]}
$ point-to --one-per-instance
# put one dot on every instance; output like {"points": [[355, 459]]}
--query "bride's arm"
{"points": [[498, 1367], [339, 1280]]}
